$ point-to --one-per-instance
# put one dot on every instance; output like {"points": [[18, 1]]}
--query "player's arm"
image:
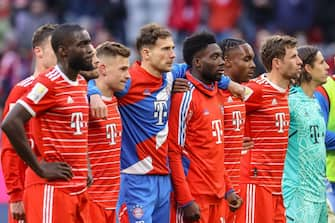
{"points": [[322, 97], [13, 127], [13, 167], [252, 97], [97, 107], [39, 99], [176, 138]]}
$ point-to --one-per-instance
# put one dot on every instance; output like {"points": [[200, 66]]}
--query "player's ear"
{"points": [[62, 51], [227, 61], [38, 52], [145, 52], [102, 69], [308, 68], [196, 61], [276, 63]]}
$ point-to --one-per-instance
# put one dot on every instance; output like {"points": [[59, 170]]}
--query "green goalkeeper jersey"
{"points": [[305, 163]]}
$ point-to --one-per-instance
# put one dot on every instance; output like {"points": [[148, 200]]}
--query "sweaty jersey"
{"points": [[104, 142], [13, 166], [267, 123], [305, 164], [61, 109], [196, 143], [234, 121]]}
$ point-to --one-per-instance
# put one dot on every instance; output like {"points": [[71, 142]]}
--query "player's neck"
{"points": [[195, 73], [150, 69], [105, 90], [39, 68], [308, 88], [278, 79], [69, 72]]}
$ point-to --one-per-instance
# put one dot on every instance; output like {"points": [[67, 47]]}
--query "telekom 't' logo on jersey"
{"points": [[160, 111], [77, 122], [280, 121], [237, 120], [217, 130], [111, 133], [315, 134]]}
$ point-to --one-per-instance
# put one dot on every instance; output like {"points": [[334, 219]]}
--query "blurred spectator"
{"points": [[141, 12], [294, 16], [184, 19], [326, 19], [257, 14], [310, 21], [27, 21], [10, 67], [4, 21], [185, 15], [223, 17], [114, 19]]}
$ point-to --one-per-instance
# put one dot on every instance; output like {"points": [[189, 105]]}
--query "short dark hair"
{"points": [[149, 34], [42, 33], [63, 34], [307, 54], [112, 49], [229, 44], [275, 47], [196, 43]]}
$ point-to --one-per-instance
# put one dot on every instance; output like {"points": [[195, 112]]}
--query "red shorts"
{"points": [[259, 206], [211, 210], [100, 214], [45, 204]]}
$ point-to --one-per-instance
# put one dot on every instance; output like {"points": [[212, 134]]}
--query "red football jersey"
{"points": [[13, 166], [61, 109], [267, 123], [196, 143], [234, 121], [104, 142]]}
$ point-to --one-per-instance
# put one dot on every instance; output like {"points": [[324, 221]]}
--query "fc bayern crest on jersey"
{"points": [[138, 211]]}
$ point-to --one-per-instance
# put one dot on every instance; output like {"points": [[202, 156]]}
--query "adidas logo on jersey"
{"points": [[230, 99], [274, 102], [206, 112], [222, 109], [69, 100]]}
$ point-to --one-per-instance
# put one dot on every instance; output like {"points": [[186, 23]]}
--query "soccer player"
{"points": [[56, 180], [144, 106], [304, 188], [267, 124], [326, 97], [12, 166], [239, 65], [104, 135], [196, 140]]}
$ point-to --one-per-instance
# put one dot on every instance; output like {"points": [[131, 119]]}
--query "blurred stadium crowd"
{"points": [[311, 21]]}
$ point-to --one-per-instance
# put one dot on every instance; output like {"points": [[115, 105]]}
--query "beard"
{"points": [[79, 63], [88, 75], [210, 77]]}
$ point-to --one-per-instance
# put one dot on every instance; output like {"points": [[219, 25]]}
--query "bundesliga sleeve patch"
{"points": [[247, 93], [37, 93]]}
